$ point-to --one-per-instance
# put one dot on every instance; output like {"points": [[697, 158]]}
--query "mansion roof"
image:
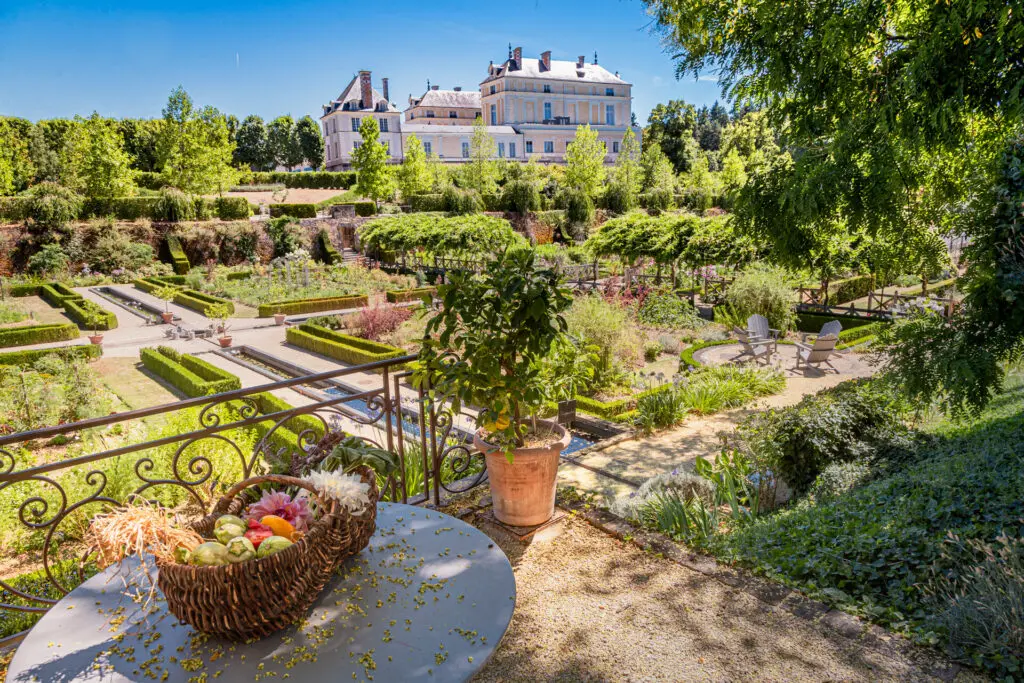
{"points": [[350, 100], [560, 71], [452, 99]]}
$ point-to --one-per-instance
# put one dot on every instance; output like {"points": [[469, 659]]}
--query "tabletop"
{"points": [[428, 600]]}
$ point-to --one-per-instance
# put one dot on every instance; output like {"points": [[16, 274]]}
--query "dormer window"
{"points": [[547, 87]]}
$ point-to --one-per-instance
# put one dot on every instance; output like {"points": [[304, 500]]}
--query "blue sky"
{"points": [[64, 57]]}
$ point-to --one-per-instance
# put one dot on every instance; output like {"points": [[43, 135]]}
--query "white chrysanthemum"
{"points": [[351, 493]]}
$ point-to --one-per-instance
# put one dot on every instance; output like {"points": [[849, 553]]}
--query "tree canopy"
{"points": [[194, 152], [469, 235], [370, 161]]}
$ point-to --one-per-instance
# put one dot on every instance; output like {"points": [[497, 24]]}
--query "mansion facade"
{"points": [[531, 108]]}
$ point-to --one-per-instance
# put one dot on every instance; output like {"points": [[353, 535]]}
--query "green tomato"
{"points": [[272, 545]]}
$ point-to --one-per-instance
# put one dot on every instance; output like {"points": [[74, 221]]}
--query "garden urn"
{"points": [[225, 342], [279, 318], [523, 490], [96, 339], [167, 317]]}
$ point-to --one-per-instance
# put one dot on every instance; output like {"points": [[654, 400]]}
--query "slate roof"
{"points": [[453, 99], [560, 71], [349, 100]]}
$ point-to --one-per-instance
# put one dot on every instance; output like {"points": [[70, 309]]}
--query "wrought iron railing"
{"points": [[47, 500]]}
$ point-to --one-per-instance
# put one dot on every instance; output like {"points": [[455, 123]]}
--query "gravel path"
{"points": [[591, 608]]}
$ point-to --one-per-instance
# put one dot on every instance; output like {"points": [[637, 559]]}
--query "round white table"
{"points": [[428, 600]]}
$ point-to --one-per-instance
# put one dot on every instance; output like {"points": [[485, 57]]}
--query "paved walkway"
{"points": [[616, 470]]}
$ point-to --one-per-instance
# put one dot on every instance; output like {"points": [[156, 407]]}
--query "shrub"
{"points": [[232, 208], [461, 202], [845, 291], [285, 234], [193, 376], [618, 199], [658, 201], [89, 315], [310, 180], [51, 209], [847, 423], [176, 255], [379, 321], [763, 291], [26, 358], [328, 254], [38, 334], [49, 260], [426, 202], [114, 250], [13, 209], [293, 210], [607, 326], [668, 310], [299, 306], [343, 347], [396, 297], [174, 206], [686, 485], [471, 235], [579, 211], [651, 351], [837, 479], [123, 208], [660, 409], [520, 196]]}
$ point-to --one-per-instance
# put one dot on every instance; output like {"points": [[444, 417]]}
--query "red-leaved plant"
{"points": [[379, 321]]}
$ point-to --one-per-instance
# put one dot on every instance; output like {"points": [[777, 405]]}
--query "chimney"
{"points": [[517, 57], [579, 61], [595, 57], [384, 87], [457, 88], [434, 87], [365, 90], [545, 58]]}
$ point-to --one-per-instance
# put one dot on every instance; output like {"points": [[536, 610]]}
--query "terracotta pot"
{"points": [[96, 339], [225, 342], [167, 317], [523, 491], [279, 318]]}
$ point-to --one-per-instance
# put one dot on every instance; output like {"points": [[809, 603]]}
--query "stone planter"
{"points": [[523, 491], [225, 342], [96, 339], [167, 317], [279, 318]]}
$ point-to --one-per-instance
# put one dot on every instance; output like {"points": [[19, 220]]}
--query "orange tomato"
{"points": [[280, 526]]}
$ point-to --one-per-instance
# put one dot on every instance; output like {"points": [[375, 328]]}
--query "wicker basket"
{"points": [[255, 598]]}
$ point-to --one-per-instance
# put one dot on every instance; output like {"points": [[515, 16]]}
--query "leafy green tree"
{"points": [[413, 175], [480, 173], [311, 142], [734, 174], [584, 162], [370, 161], [252, 148], [194, 149], [140, 142], [670, 126], [627, 173], [15, 137], [106, 168], [284, 142], [656, 172]]}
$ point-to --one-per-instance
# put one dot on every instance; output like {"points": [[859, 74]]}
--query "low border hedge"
{"points": [[293, 210], [199, 301], [177, 256], [812, 322], [308, 180], [613, 410], [193, 376], [328, 252], [80, 311], [29, 357], [38, 334], [401, 296], [686, 359], [24, 289], [300, 306], [56, 293], [343, 347]]}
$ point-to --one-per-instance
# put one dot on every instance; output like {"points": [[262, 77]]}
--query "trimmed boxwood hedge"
{"points": [[343, 347], [328, 252], [232, 208], [199, 301], [177, 256], [686, 359], [307, 180], [38, 334], [267, 404], [56, 293], [426, 202], [300, 306], [80, 310], [293, 210], [401, 296], [612, 410], [29, 357], [193, 376], [153, 283], [812, 322], [30, 289]]}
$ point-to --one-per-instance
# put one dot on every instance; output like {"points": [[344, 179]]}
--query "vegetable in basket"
{"points": [[232, 528], [210, 554], [240, 549], [258, 533], [272, 545]]}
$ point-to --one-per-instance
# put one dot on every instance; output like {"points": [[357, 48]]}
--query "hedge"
{"points": [[300, 306], [152, 284], [401, 296], [850, 289], [13, 209], [177, 256], [198, 301], [307, 180], [24, 290], [232, 208], [85, 351], [426, 202], [267, 403], [38, 334], [686, 359], [193, 376], [327, 250], [81, 311], [56, 293], [611, 410], [123, 208], [812, 322], [343, 347], [855, 336], [293, 210], [239, 275]]}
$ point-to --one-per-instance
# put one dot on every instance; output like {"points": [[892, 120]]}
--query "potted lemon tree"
{"points": [[482, 350], [221, 312], [167, 294]]}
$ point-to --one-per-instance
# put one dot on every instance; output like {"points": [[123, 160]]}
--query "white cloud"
{"points": [[708, 79]]}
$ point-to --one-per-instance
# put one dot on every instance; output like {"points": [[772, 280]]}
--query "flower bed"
{"points": [[38, 334], [331, 303], [193, 376], [417, 294], [343, 347]]}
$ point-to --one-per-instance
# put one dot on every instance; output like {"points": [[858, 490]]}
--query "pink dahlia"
{"points": [[295, 512]]}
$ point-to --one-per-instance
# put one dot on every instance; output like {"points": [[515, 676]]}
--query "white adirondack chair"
{"points": [[756, 347], [818, 354], [831, 327]]}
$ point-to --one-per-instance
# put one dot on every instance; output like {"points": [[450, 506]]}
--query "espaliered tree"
{"points": [[469, 235]]}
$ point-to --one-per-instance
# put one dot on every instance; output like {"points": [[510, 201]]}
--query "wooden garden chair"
{"points": [[818, 354], [758, 326], [833, 327], [755, 347]]}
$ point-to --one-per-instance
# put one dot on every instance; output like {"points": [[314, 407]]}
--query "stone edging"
{"points": [[776, 595]]}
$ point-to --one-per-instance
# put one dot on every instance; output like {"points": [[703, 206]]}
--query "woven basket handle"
{"points": [[232, 493]]}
